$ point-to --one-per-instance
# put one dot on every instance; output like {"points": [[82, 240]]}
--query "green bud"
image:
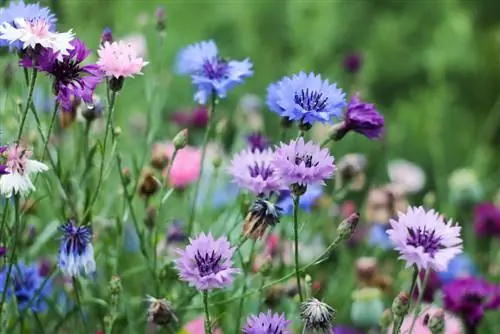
{"points": [[348, 226], [436, 322], [181, 139], [386, 319], [115, 285], [401, 305]]}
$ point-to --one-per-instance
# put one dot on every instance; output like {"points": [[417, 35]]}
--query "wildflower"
{"points": [[160, 312], [267, 323], [210, 73], [306, 98], [262, 214], [148, 183], [197, 326], [255, 172], [107, 36], [185, 167], [206, 263], [25, 284], [367, 307], [197, 118], [424, 239], [362, 118], [76, 254], [317, 316], [401, 305], [306, 202], [303, 164], [459, 267], [353, 62], [257, 142], [20, 167], [452, 323], [487, 220], [407, 174], [72, 80]]}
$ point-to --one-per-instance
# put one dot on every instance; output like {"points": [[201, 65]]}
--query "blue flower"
{"points": [[378, 237], [24, 283], [306, 98], [460, 266], [76, 254], [210, 73], [131, 238], [28, 12], [306, 201]]}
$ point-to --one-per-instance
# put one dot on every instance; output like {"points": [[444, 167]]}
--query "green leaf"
{"points": [[46, 235]]}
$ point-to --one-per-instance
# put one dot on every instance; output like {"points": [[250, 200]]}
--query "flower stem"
{"points": [[79, 303], [208, 324], [210, 125], [399, 321], [296, 234], [28, 103], [421, 291]]}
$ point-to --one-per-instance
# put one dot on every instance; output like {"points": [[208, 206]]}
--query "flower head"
{"points": [[197, 118], [160, 312], [76, 254], [206, 263], [306, 98], [303, 163], [317, 316], [255, 172], [197, 326], [470, 297], [20, 167], [185, 167], [487, 220], [72, 80], [119, 60], [267, 323], [353, 62], [210, 73], [257, 141], [262, 214], [424, 239], [26, 285], [408, 175]]}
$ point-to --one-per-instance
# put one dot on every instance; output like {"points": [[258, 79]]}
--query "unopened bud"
{"points": [[386, 319], [217, 161], [348, 226], [107, 35], [115, 285], [181, 139], [150, 219], [116, 84], [127, 176], [401, 305], [160, 312], [161, 21], [148, 184], [338, 131], [117, 131], [436, 322]]}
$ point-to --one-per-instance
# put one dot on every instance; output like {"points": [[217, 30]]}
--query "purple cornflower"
{"points": [[487, 220], [353, 62], [197, 118], [301, 163], [362, 118], [257, 141], [255, 172], [424, 239], [306, 98], [470, 297], [3, 251], [76, 254], [210, 73], [267, 323], [72, 80], [206, 263]]}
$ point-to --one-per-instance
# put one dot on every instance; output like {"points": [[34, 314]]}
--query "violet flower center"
{"points": [[77, 239], [427, 239], [265, 171], [66, 71], [473, 299], [311, 100], [208, 264], [307, 159], [215, 69]]}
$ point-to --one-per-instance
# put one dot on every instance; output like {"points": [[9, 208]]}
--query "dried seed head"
{"points": [[160, 312], [262, 214], [317, 316], [149, 184]]}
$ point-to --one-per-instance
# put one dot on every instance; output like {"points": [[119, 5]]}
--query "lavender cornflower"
{"points": [[306, 98], [424, 239], [257, 141], [210, 73], [303, 164], [267, 323], [72, 80], [206, 263], [76, 254], [255, 172]]}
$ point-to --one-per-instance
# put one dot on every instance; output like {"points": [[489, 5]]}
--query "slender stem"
{"points": [[421, 291], [28, 103], [414, 281], [296, 234], [51, 126], [325, 142], [79, 304], [208, 323], [246, 267], [203, 154]]}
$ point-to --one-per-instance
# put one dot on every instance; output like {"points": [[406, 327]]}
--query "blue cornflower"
{"points": [[306, 98], [378, 237], [210, 73], [131, 238], [459, 267], [27, 11], [24, 283], [76, 254], [306, 201]]}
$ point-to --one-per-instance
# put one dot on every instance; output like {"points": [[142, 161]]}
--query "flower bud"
{"points": [[367, 307], [148, 184], [401, 305], [386, 319], [127, 175], [347, 227], [150, 219], [217, 161], [117, 131], [107, 35], [160, 312], [161, 22], [115, 285], [437, 322], [181, 139]]}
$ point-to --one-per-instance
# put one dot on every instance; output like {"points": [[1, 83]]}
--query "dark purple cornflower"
{"points": [[3, 251], [353, 62], [72, 80], [487, 220], [197, 118], [362, 118], [3, 167], [76, 253], [257, 141], [470, 297]]}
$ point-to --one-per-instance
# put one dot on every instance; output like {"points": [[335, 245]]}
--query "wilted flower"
{"points": [[424, 239], [406, 174], [306, 98], [487, 220], [206, 263], [262, 214], [160, 312], [257, 142], [452, 323], [210, 73], [255, 172], [317, 316], [76, 254], [119, 60], [20, 167], [267, 323], [367, 307]]}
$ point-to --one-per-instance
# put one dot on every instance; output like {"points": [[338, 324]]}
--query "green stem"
{"points": [[246, 267], [325, 142], [28, 103], [421, 291], [399, 321], [79, 304], [208, 324], [210, 125], [296, 237]]}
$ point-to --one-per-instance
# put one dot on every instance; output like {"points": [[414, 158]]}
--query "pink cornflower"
{"points": [[197, 326], [120, 59], [186, 165], [452, 324], [19, 167], [424, 239]]}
